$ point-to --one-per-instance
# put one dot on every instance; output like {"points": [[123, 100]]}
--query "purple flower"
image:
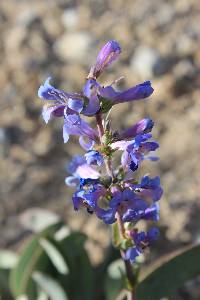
{"points": [[129, 205], [85, 178], [141, 127], [135, 151], [149, 188], [141, 240], [79, 169], [90, 92], [140, 91], [123, 202], [108, 54], [108, 95], [90, 190], [138, 213], [132, 253], [132, 203], [152, 235], [117, 194], [63, 103], [98, 96], [74, 125], [106, 215], [94, 158]]}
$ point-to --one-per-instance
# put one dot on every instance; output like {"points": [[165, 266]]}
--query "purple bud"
{"points": [[137, 92], [108, 54], [143, 126]]}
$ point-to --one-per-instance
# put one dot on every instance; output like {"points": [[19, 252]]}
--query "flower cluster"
{"points": [[117, 196]]}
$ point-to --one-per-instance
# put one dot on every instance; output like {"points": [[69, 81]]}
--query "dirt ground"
{"points": [[160, 41]]}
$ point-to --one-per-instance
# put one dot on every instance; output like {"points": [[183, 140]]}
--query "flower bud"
{"points": [[106, 56]]}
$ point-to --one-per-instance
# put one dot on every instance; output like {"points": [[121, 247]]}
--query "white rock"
{"points": [[27, 16], [73, 46], [70, 19], [143, 61], [183, 68], [164, 14]]}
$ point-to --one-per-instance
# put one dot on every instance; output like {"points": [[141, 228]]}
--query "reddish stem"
{"points": [[100, 126]]}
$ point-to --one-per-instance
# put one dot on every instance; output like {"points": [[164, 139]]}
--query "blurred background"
{"points": [[160, 42]]}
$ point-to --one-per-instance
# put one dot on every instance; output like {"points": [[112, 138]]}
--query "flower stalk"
{"points": [[129, 271]]}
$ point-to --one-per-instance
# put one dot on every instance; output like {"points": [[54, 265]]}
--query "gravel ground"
{"points": [[160, 42]]}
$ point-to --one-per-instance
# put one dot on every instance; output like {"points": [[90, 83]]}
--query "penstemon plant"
{"points": [[114, 196]]}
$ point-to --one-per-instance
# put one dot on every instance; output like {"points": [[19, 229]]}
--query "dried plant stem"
{"points": [[109, 169]]}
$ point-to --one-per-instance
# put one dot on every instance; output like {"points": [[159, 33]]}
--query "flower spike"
{"points": [[109, 190]]}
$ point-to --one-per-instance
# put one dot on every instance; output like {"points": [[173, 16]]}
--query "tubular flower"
{"points": [[136, 150], [61, 103], [141, 240], [74, 125], [94, 158], [88, 194], [78, 168], [140, 91]]}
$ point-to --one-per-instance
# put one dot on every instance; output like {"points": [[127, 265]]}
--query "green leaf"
{"points": [[116, 269], [33, 258], [100, 271], [169, 274], [55, 256], [8, 259], [5, 293], [114, 281], [62, 233], [80, 283], [53, 289], [55, 251]]}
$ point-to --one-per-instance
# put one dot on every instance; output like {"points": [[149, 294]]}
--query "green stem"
{"points": [[108, 163], [101, 132]]}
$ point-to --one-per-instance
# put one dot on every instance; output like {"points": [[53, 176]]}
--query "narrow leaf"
{"points": [[55, 256], [33, 258], [5, 293], [80, 283], [169, 274], [114, 279], [50, 286], [62, 233]]}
